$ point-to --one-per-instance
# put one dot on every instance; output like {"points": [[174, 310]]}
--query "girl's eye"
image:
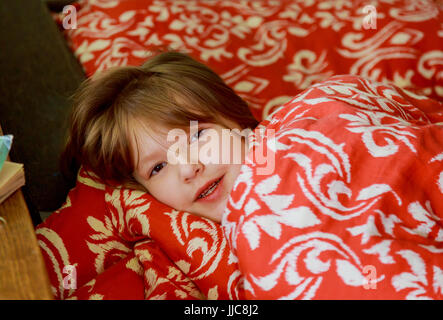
{"points": [[157, 167], [197, 134]]}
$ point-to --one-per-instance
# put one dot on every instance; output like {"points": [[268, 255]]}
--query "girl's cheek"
{"points": [[169, 190]]}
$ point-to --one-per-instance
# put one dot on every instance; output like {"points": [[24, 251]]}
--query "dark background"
{"points": [[38, 73]]}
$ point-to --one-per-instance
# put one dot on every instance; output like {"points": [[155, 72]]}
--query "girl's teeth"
{"points": [[209, 191], [204, 194]]}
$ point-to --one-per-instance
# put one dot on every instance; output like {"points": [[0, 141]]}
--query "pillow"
{"points": [[268, 51], [196, 245], [80, 235], [117, 239], [121, 281], [162, 279]]}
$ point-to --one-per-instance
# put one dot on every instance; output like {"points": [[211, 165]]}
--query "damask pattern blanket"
{"points": [[352, 207]]}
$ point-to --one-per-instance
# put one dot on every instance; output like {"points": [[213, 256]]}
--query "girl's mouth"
{"points": [[212, 191]]}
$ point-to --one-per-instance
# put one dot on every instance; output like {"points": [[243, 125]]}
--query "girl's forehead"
{"points": [[147, 133], [146, 142]]}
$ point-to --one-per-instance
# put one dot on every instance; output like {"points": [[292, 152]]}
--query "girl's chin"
{"points": [[212, 210]]}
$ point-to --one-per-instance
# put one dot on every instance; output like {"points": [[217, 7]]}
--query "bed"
{"points": [[351, 238]]}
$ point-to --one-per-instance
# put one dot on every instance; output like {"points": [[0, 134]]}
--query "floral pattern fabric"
{"points": [[354, 206], [123, 244], [269, 51]]}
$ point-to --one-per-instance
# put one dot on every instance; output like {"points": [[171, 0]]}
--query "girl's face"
{"points": [[190, 183]]}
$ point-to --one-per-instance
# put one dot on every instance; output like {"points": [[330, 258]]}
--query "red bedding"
{"points": [[354, 206], [269, 51]]}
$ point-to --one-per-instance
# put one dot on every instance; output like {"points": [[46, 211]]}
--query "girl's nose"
{"points": [[189, 164], [190, 171]]}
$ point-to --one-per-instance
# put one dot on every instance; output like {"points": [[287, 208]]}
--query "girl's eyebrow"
{"points": [[146, 161], [150, 158], [143, 163]]}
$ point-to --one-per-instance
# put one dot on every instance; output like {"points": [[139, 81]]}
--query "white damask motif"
{"points": [[102, 3], [415, 11], [415, 281], [212, 248], [246, 85], [369, 98], [85, 51], [430, 64], [288, 260], [427, 220], [273, 104], [104, 244], [370, 52], [389, 221], [244, 178], [307, 69], [208, 30], [382, 250], [311, 181], [142, 29], [99, 25], [323, 186], [127, 205], [238, 25], [282, 214], [271, 43], [90, 179], [119, 52], [48, 241], [370, 124], [162, 9], [233, 291], [402, 81], [366, 230], [259, 8]]}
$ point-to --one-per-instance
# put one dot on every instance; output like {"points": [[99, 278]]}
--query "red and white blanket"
{"points": [[351, 209], [354, 206]]}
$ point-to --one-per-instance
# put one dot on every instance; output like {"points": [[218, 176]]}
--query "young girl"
{"points": [[120, 123]]}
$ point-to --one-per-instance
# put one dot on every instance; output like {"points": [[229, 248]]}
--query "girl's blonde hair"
{"points": [[169, 89]]}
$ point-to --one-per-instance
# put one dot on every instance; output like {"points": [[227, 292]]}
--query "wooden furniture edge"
{"points": [[23, 273]]}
